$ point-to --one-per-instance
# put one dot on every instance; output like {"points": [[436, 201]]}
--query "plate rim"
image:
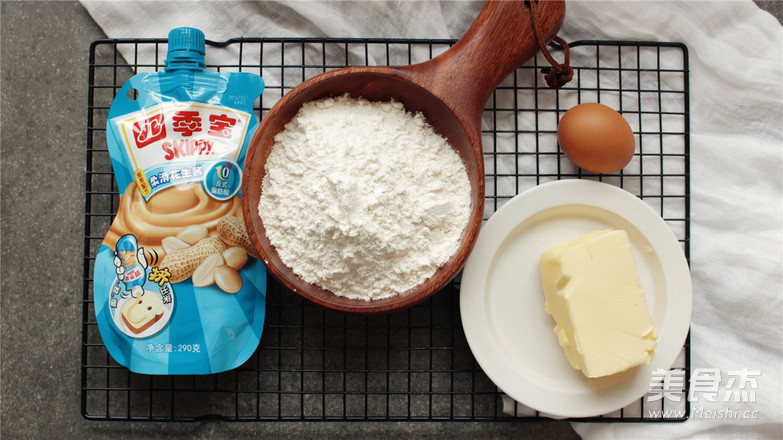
{"points": [[513, 214]]}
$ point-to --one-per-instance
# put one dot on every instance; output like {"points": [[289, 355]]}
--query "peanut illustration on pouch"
{"points": [[204, 275], [233, 232], [172, 244], [209, 258], [193, 234]]}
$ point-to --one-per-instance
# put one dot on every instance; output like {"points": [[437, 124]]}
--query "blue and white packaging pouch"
{"points": [[178, 285]]}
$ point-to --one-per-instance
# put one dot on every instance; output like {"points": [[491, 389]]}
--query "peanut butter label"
{"points": [[175, 142]]}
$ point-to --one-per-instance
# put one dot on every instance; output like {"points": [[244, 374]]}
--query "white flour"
{"points": [[363, 198]]}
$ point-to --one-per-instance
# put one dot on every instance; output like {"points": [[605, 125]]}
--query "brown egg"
{"points": [[596, 138]]}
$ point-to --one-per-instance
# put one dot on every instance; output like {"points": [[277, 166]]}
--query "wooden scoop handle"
{"points": [[499, 40]]}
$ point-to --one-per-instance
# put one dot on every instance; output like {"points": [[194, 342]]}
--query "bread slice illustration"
{"points": [[141, 313]]}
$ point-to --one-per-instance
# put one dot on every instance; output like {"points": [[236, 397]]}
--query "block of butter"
{"points": [[593, 293]]}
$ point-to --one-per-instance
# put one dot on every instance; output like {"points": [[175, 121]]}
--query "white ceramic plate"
{"points": [[502, 302]]}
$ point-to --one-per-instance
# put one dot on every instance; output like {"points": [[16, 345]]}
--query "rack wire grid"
{"points": [[318, 364]]}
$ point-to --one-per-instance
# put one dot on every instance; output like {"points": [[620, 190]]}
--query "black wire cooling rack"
{"points": [[317, 364]]}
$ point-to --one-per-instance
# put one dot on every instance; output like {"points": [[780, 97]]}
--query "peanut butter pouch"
{"points": [[178, 286]]}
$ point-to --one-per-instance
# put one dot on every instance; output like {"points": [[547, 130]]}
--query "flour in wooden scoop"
{"points": [[363, 198]]}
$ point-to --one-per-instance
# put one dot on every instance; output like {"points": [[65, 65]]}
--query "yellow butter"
{"points": [[593, 293]]}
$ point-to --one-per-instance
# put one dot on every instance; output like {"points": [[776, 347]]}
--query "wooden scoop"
{"points": [[449, 90]]}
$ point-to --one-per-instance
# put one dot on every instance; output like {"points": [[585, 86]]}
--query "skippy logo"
{"points": [[149, 130], [183, 130], [186, 148], [172, 143]]}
